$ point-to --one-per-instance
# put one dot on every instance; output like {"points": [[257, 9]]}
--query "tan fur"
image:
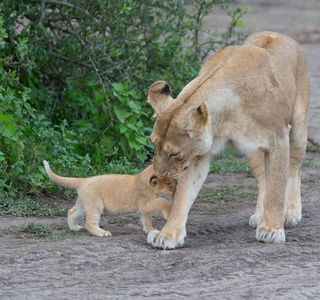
{"points": [[253, 98], [117, 195]]}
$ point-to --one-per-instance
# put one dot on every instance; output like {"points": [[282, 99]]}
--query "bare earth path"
{"points": [[220, 259]]}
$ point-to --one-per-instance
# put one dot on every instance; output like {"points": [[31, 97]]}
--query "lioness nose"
{"points": [[160, 169]]}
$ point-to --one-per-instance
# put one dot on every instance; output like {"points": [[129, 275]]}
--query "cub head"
{"points": [[162, 184], [181, 130]]}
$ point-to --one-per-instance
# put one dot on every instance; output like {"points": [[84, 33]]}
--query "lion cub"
{"points": [[117, 195]]}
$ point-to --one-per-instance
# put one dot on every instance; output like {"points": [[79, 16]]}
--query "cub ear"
{"points": [[198, 120], [159, 93], [153, 180]]}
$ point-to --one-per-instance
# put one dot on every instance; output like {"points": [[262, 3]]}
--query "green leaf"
{"points": [[117, 86], [132, 126], [135, 106], [140, 156], [5, 118], [119, 113], [142, 140], [8, 130], [133, 144], [123, 128]]}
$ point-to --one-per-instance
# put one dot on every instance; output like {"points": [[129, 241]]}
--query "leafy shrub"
{"points": [[74, 78]]}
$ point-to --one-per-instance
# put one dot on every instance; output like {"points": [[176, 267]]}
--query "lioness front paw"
{"points": [[166, 240], [270, 235], [255, 220], [292, 217]]}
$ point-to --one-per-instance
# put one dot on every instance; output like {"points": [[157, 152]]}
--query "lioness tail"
{"points": [[72, 183]]}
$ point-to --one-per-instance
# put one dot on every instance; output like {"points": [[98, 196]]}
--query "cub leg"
{"points": [[298, 143], [146, 221], [257, 165], [149, 208], [92, 220], [190, 181], [74, 214], [271, 228], [154, 205]]}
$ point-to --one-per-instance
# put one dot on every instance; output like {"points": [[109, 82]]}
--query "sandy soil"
{"points": [[220, 259]]}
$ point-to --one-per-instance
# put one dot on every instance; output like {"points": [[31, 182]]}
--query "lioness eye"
{"points": [[174, 154], [169, 184]]}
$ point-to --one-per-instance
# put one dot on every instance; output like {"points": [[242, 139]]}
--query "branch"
{"points": [[57, 54], [67, 4], [104, 91], [313, 142], [43, 10]]}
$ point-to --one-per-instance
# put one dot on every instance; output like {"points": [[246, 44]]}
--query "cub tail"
{"points": [[72, 183]]}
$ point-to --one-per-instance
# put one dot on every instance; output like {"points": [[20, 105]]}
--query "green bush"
{"points": [[22, 206], [34, 229], [75, 75]]}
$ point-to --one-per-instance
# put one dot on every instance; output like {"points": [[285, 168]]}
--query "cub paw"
{"points": [[292, 217], [166, 240], [147, 230], [166, 214], [270, 235], [106, 233], [102, 233], [76, 228], [255, 220]]}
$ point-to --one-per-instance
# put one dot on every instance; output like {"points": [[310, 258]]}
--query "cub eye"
{"points": [[174, 154], [169, 184]]}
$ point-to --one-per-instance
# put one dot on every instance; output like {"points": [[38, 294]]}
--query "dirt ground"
{"points": [[221, 258]]}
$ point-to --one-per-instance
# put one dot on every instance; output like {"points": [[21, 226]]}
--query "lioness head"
{"points": [[162, 184], [180, 131]]}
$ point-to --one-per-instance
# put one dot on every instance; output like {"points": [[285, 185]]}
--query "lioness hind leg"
{"points": [[298, 143], [257, 165], [271, 227], [74, 214]]}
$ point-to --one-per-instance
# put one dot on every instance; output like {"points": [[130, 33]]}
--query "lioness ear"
{"points": [[198, 120], [153, 180], [159, 93]]}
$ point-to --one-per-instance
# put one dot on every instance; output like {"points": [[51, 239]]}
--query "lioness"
{"points": [[253, 98], [117, 195]]}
